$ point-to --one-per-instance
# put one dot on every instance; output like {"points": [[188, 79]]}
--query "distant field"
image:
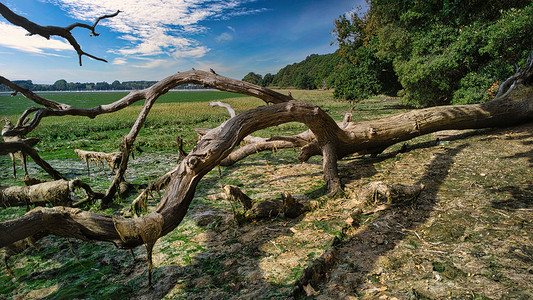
{"points": [[175, 113], [15, 105]]}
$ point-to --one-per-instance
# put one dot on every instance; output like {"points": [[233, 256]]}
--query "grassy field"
{"points": [[468, 236]]}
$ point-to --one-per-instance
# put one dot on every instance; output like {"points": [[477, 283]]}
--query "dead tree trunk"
{"points": [[329, 140], [173, 206]]}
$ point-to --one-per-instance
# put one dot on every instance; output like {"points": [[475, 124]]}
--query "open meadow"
{"points": [[468, 235]]}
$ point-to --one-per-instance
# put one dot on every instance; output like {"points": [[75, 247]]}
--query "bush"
{"points": [[357, 78], [474, 88]]}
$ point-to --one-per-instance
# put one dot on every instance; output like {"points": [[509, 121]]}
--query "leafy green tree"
{"points": [[305, 82], [60, 85], [116, 85], [253, 78], [267, 79]]}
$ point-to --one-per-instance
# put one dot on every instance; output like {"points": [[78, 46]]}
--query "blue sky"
{"points": [[152, 39]]}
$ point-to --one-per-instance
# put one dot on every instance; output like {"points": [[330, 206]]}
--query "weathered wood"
{"points": [[52, 192], [173, 206], [330, 140], [48, 31]]}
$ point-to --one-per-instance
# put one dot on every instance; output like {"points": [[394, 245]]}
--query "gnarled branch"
{"points": [[173, 206], [48, 31], [219, 82], [12, 147]]}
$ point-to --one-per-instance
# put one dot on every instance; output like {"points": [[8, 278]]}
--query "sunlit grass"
{"points": [[174, 114]]}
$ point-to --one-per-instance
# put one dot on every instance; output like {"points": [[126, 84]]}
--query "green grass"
{"points": [[10, 105]]}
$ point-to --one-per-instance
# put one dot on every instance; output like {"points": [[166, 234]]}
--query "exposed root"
{"points": [[291, 207], [233, 193], [267, 209], [378, 193]]}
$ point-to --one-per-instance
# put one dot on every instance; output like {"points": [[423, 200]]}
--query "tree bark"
{"points": [[207, 154], [54, 192], [329, 140]]}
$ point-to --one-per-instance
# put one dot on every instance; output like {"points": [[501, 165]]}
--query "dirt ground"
{"points": [[468, 235]]}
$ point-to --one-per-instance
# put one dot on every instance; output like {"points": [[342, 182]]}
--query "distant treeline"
{"points": [[63, 85], [312, 73]]}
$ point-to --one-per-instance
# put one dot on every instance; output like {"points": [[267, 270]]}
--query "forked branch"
{"points": [[53, 108], [48, 31], [173, 206]]}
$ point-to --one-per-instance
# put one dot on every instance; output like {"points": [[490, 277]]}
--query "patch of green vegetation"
{"points": [[438, 266], [295, 273]]}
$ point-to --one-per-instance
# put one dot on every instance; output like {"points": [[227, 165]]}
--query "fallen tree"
{"points": [[328, 139]]}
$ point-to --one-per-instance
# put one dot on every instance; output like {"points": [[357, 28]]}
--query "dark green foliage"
{"points": [[473, 88], [253, 78], [305, 82], [444, 51], [311, 73], [267, 80]]}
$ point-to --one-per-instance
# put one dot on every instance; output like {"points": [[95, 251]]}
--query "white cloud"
{"points": [[152, 63], [119, 61], [155, 27], [15, 37], [231, 28], [224, 37]]}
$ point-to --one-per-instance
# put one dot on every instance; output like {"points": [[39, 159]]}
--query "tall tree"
{"points": [[253, 78]]}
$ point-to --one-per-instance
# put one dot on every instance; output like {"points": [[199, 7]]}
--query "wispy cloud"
{"points": [[119, 61], [155, 27], [152, 63], [224, 37], [15, 37]]}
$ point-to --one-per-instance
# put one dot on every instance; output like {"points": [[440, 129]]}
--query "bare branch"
{"points": [[162, 87], [230, 109], [48, 31], [12, 147], [173, 206]]}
